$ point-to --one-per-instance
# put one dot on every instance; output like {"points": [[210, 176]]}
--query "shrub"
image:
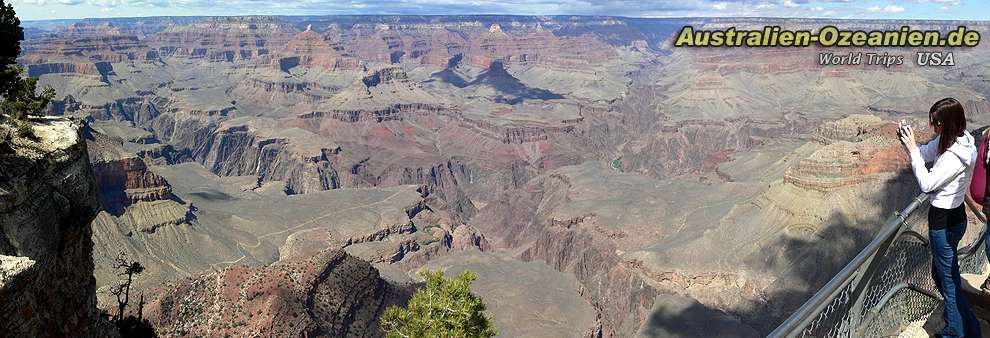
{"points": [[444, 308], [25, 130]]}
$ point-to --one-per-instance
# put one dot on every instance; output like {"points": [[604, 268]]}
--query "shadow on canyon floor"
{"points": [[803, 265]]}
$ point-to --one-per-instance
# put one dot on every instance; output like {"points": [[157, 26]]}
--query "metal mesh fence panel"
{"points": [[887, 292]]}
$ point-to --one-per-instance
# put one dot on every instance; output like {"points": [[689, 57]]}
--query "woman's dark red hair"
{"points": [[947, 114]]}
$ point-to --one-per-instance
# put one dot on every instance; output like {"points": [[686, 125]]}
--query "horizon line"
{"points": [[509, 15]]}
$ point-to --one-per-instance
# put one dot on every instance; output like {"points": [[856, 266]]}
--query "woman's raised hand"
{"points": [[906, 134]]}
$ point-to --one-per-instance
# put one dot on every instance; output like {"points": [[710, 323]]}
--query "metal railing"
{"points": [[885, 288]]}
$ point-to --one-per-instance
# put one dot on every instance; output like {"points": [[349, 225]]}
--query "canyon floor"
{"points": [[599, 181]]}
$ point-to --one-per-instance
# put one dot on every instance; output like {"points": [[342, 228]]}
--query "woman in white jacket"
{"points": [[953, 152]]}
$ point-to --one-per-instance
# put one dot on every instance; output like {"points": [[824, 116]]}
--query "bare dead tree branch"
{"points": [[122, 291]]}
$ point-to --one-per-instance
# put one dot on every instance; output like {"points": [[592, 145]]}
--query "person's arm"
{"points": [[943, 171], [929, 151]]}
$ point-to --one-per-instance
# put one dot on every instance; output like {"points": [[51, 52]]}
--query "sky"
{"points": [[842, 9]]}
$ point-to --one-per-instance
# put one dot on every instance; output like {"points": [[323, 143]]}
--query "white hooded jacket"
{"points": [[946, 186]]}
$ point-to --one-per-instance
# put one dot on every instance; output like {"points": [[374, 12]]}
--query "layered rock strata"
{"points": [[48, 197]]}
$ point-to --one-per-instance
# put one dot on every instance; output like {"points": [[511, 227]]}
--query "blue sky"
{"points": [[882, 9]]}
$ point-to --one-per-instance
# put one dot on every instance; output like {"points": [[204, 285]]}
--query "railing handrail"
{"points": [[814, 305]]}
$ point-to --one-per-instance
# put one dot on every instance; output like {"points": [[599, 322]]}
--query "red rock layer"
{"points": [[856, 150], [127, 181], [310, 48]]}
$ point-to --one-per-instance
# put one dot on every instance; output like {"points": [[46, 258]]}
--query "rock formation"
{"points": [[310, 48], [239, 150], [329, 295], [857, 149], [224, 39], [129, 176], [48, 197], [86, 44]]}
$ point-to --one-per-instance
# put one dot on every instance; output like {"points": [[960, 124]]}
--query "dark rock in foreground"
{"points": [[47, 199]]}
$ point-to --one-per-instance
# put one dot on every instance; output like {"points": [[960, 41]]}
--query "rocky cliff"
{"points": [[520, 220], [48, 197], [223, 39], [239, 150], [329, 295], [98, 43], [101, 69], [309, 48]]}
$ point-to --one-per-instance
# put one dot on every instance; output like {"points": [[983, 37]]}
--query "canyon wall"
{"points": [[521, 220], [48, 197], [238, 150]]}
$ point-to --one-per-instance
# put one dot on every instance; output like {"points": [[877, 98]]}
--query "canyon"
{"points": [[290, 175]]}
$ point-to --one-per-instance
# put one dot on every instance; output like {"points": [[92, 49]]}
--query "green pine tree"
{"points": [[19, 93], [11, 35], [444, 308]]}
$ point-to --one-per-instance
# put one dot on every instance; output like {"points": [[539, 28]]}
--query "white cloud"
{"points": [[720, 6], [789, 3], [893, 9], [888, 9]]}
